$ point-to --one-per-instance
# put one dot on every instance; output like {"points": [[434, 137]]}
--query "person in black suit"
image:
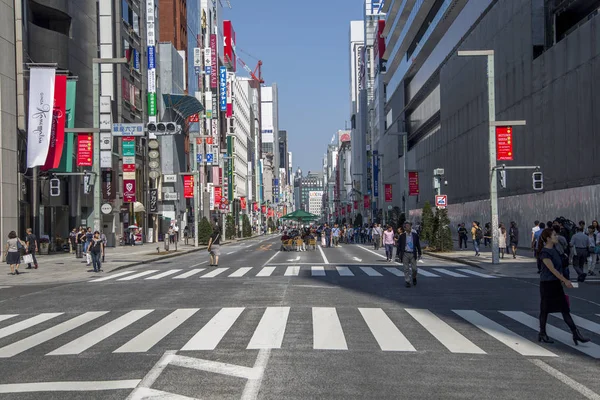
{"points": [[409, 246]]}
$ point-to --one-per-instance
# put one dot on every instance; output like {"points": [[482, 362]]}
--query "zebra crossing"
{"points": [[408, 330], [290, 271]]}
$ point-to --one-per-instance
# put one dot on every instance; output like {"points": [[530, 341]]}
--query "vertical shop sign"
{"points": [[108, 189], [504, 143], [188, 186], [388, 192], [85, 149], [413, 183]]}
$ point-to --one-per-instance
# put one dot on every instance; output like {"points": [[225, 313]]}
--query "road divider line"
{"points": [[265, 271], [240, 272], [211, 334], [578, 387], [327, 330], [157, 332], [325, 260], [292, 271], [113, 276], [29, 322], [68, 386], [189, 273], [163, 274], [215, 272], [317, 271], [386, 333], [270, 330]]}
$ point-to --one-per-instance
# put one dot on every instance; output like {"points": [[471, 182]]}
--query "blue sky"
{"points": [[304, 47]]}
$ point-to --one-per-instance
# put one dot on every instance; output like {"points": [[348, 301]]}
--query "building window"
{"points": [[50, 18]]}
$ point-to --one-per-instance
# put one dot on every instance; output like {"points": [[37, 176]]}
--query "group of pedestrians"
{"points": [[94, 244], [17, 251], [408, 250]]}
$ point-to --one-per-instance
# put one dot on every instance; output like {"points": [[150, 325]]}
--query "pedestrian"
{"points": [[562, 246], [502, 239], [536, 228], [513, 234], [388, 242], [12, 252], [327, 235], [377, 234], [594, 242], [399, 232], [31, 247], [73, 241], [335, 233], [214, 246], [410, 252], [487, 237], [477, 235], [87, 240], [96, 251], [186, 234], [580, 245], [534, 244], [462, 236], [104, 243], [552, 278]]}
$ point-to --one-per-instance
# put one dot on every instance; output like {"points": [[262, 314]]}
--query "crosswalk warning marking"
{"points": [[271, 328], [240, 272], [427, 274], [503, 335], [162, 275], [211, 334], [113, 276], [292, 271], [327, 330], [157, 332], [453, 274], [94, 337], [27, 323], [4, 317], [138, 275], [370, 271], [591, 349], [189, 273], [479, 274], [266, 271], [317, 271], [34, 340], [387, 335], [344, 271], [444, 333], [214, 273]]}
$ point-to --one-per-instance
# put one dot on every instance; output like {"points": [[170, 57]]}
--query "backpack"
{"points": [[478, 233]]}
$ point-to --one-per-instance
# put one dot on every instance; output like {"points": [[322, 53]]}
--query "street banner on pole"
{"points": [[41, 100], [85, 149], [129, 190], [388, 192], [367, 201], [188, 186], [66, 162], [243, 203], [349, 208], [108, 189], [413, 183], [504, 143], [57, 133], [355, 205]]}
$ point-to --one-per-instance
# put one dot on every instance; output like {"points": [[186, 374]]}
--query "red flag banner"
{"points": [[218, 195], [129, 190], [263, 209], [504, 143], [85, 149], [388, 192], [413, 183], [243, 203], [57, 132], [255, 206], [355, 204], [367, 201], [349, 208], [188, 186], [270, 212]]}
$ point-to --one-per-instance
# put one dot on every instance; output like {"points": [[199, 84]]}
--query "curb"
{"points": [[458, 260]]}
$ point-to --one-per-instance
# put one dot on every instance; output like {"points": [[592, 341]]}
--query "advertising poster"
{"points": [[85, 149]]}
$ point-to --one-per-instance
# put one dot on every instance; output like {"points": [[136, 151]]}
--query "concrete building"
{"points": [[315, 202], [312, 182], [284, 160], [270, 139], [243, 124]]}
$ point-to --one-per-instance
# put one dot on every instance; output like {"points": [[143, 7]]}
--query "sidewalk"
{"points": [[64, 267]]}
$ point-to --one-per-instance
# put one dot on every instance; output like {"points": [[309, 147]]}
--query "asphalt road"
{"points": [[321, 324]]}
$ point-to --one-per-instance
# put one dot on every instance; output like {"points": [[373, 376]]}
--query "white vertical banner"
{"points": [[41, 103]]}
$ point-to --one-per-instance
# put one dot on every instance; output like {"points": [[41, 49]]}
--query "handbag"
{"points": [[596, 250], [27, 259]]}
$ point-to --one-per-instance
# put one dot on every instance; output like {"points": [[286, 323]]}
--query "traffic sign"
{"points": [[199, 158], [209, 158], [441, 201], [128, 129]]}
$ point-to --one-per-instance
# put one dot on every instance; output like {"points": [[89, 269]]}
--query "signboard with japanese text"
{"points": [[85, 149], [123, 129], [213, 60], [153, 201], [218, 195], [129, 190], [108, 189], [504, 143], [388, 192], [223, 88], [188, 186], [129, 147], [413, 183]]}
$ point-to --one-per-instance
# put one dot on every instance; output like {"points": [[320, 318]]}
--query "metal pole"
{"points": [[381, 176], [96, 162], [405, 192], [492, 150]]}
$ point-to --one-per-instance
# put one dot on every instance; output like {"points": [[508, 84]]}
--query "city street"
{"points": [[325, 323]]}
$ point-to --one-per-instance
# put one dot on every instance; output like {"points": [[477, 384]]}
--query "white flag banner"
{"points": [[41, 103]]}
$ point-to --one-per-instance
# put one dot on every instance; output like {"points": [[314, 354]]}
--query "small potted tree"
{"points": [[44, 244]]}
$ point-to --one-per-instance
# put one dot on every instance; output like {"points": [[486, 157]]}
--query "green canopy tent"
{"points": [[300, 216]]}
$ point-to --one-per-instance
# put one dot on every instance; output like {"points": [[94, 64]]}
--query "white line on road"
{"points": [[5, 287], [162, 275], [272, 257], [215, 272], [253, 385], [147, 393], [113, 276], [479, 274], [152, 375], [295, 259], [211, 334], [370, 271], [144, 273], [503, 335], [371, 251], [357, 259], [388, 336], [240, 272], [151, 336], [266, 271], [582, 322], [317, 271], [189, 273], [7, 316], [445, 271], [29, 322], [578, 387], [68, 386], [215, 367], [199, 264], [427, 274], [231, 252], [394, 271], [323, 255], [444, 333], [344, 271], [94, 337], [292, 271], [327, 330], [271, 328]]}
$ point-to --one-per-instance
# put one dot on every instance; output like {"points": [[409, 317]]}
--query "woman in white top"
{"points": [[502, 239], [12, 252]]}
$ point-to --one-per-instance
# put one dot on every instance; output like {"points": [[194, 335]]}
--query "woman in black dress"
{"points": [[552, 277]]}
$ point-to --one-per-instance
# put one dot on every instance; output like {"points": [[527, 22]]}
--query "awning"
{"points": [[138, 207], [183, 104]]}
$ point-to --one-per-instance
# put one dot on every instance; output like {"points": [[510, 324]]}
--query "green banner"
{"points": [[230, 162], [129, 148], [152, 104], [66, 161]]}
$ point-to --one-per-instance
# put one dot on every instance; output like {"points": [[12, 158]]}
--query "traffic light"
{"points": [[538, 180], [163, 128], [502, 177], [54, 187]]}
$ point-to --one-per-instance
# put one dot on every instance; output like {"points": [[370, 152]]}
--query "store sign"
{"points": [[152, 104], [129, 191], [223, 88], [218, 195], [504, 143], [188, 186], [376, 173], [229, 44], [413, 183], [105, 159], [85, 149], [388, 192], [129, 146], [367, 202], [108, 188], [213, 60], [153, 201]]}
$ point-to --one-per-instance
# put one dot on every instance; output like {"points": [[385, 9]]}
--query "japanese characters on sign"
{"points": [[388, 192], [413, 183], [85, 149], [504, 143], [188, 186]]}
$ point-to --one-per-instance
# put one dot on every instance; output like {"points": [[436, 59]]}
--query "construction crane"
{"points": [[258, 70]]}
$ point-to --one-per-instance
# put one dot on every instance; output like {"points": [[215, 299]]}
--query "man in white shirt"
{"points": [[535, 229]]}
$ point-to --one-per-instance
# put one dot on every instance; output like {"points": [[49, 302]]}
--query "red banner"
{"points": [[349, 208], [504, 143], [355, 204], [367, 201], [57, 133], [129, 190], [270, 214], [218, 195], [243, 203], [263, 209], [413, 183], [255, 206], [128, 167], [343, 211], [85, 149], [209, 140], [387, 189], [188, 186], [194, 118]]}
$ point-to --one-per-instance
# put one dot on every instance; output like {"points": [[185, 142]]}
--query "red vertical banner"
{"points": [[355, 204], [129, 190], [343, 210], [413, 183], [367, 201], [388, 192], [218, 195], [349, 208], [270, 214], [263, 209], [85, 149], [57, 132], [255, 207], [504, 143], [243, 203], [188, 186]]}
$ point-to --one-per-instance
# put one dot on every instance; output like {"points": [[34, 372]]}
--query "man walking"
{"points": [[410, 251], [477, 235], [377, 232], [462, 236], [580, 242], [335, 232], [31, 244], [327, 233]]}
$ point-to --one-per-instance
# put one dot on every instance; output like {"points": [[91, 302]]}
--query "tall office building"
{"points": [[270, 141]]}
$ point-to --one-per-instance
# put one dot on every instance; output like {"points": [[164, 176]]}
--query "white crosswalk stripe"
{"points": [[344, 271], [479, 274], [394, 271], [166, 273], [240, 272], [448, 272], [189, 273], [266, 271], [370, 271], [427, 274], [292, 271], [106, 278], [5, 287], [396, 332], [214, 273], [7, 316], [582, 323], [317, 271], [138, 275]]}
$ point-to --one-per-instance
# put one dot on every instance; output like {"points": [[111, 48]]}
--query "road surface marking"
{"points": [[5, 287], [94, 337], [444, 333], [139, 275], [231, 252], [74, 386], [166, 273], [252, 387], [157, 332], [271, 259], [371, 251], [584, 390], [295, 259], [370, 271], [317, 271], [148, 393], [582, 322], [591, 349], [344, 271], [199, 264], [479, 274], [152, 375], [215, 367], [214, 273], [49, 334], [394, 271], [357, 259], [445, 271], [427, 273], [266, 271], [292, 271], [211, 334], [503, 335], [113, 276], [327, 330], [189, 273], [29, 322], [323, 255], [271, 328], [388, 336], [240, 272], [7, 316]]}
